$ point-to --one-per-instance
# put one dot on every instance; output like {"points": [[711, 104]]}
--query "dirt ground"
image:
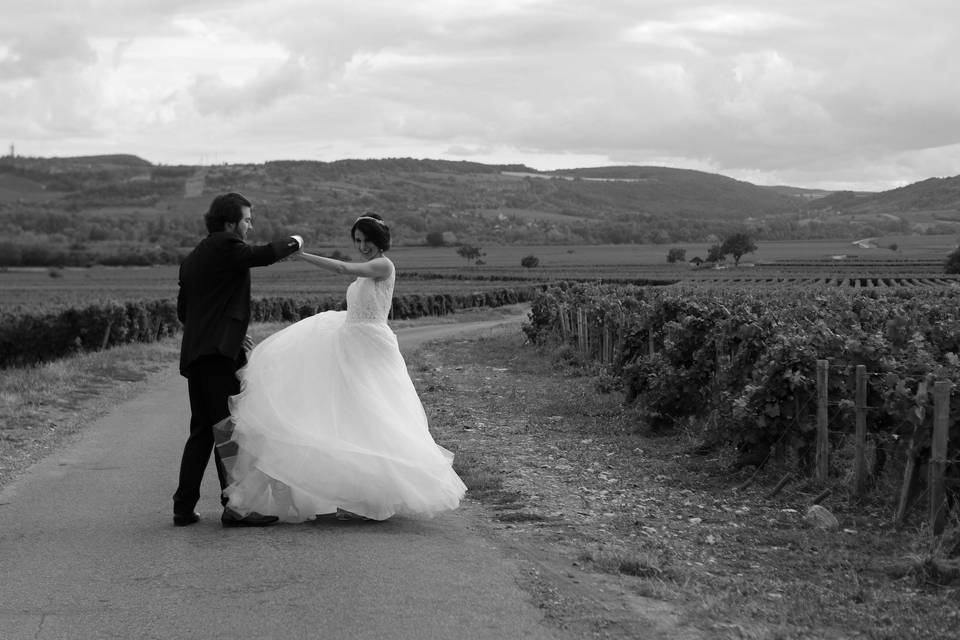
{"points": [[631, 536]]}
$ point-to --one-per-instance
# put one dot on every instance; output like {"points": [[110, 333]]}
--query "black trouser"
{"points": [[210, 381]]}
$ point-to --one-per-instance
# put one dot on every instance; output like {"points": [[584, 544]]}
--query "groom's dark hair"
{"points": [[225, 209], [374, 229]]}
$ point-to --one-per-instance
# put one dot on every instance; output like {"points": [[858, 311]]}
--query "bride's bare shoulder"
{"points": [[382, 267]]}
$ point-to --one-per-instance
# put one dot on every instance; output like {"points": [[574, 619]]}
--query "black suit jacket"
{"points": [[213, 302]]}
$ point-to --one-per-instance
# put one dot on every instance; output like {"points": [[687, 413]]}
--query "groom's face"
{"points": [[246, 223]]}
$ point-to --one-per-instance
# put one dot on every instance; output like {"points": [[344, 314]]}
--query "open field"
{"points": [[918, 261], [934, 247]]}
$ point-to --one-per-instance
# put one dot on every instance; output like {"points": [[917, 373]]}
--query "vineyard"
{"points": [[736, 368], [741, 359], [854, 281], [46, 290], [49, 314], [855, 273]]}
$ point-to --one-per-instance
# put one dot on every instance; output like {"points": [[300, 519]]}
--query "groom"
{"points": [[213, 304]]}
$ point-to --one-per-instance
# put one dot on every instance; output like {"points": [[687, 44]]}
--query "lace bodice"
{"points": [[369, 299]]}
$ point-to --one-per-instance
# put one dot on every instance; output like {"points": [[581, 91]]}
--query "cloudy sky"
{"points": [[835, 94]]}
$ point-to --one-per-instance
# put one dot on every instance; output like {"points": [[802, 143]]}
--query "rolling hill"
{"points": [[124, 196], [425, 184], [932, 194]]}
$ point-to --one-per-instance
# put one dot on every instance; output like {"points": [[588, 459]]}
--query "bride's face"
{"points": [[367, 249]]}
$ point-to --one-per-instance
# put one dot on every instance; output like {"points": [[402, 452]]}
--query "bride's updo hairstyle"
{"points": [[374, 229]]}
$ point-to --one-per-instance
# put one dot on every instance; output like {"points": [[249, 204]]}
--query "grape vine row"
{"points": [[738, 366]]}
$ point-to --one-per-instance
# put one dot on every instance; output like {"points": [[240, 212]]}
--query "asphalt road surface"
{"points": [[88, 550]]}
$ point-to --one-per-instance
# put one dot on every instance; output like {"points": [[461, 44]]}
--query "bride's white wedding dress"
{"points": [[328, 418]]}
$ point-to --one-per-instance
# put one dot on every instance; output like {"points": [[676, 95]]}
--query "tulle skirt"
{"points": [[327, 419]]}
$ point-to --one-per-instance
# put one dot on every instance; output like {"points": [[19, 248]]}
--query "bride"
{"points": [[327, 420]]}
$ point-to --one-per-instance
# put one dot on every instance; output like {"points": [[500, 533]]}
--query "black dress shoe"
{"points": [[183, 519], [231, 518], [343, 514]]}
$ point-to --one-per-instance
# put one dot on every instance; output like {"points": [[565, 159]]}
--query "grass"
{"points": [[42, 407], [643, 565]]}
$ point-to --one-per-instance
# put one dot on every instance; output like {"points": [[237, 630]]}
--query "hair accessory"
{"points": [[377, 220]]}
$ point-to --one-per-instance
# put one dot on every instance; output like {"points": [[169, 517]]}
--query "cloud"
{"points": [[822, 93], [36, 52], [213, 96]]}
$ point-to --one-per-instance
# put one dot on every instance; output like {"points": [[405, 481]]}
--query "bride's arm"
{"points": [[376, 268]]}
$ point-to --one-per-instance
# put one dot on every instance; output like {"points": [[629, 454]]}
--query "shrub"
{"points": [[470, 253], [953, 262], [435, 239], [43, 336]]}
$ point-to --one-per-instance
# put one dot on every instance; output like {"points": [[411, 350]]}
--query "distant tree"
{"points": [[435, 239], [659, 236], [715, 253], [470, 253], [893, 246], [676, 254], [737, 245], [952, 264], [530, 261]]}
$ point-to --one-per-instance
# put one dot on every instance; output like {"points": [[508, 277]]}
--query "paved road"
{"points": [[88, 550]]}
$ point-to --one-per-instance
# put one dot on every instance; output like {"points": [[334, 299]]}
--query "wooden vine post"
{"points": [[565, 329], [106, 336], [860, 436], [823, 441], [607, 356], [722, 359], [583, 336], [938, 455], [910, 473]]}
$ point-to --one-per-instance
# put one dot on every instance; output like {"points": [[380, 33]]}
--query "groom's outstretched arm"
{"points": [[243, 255]]}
